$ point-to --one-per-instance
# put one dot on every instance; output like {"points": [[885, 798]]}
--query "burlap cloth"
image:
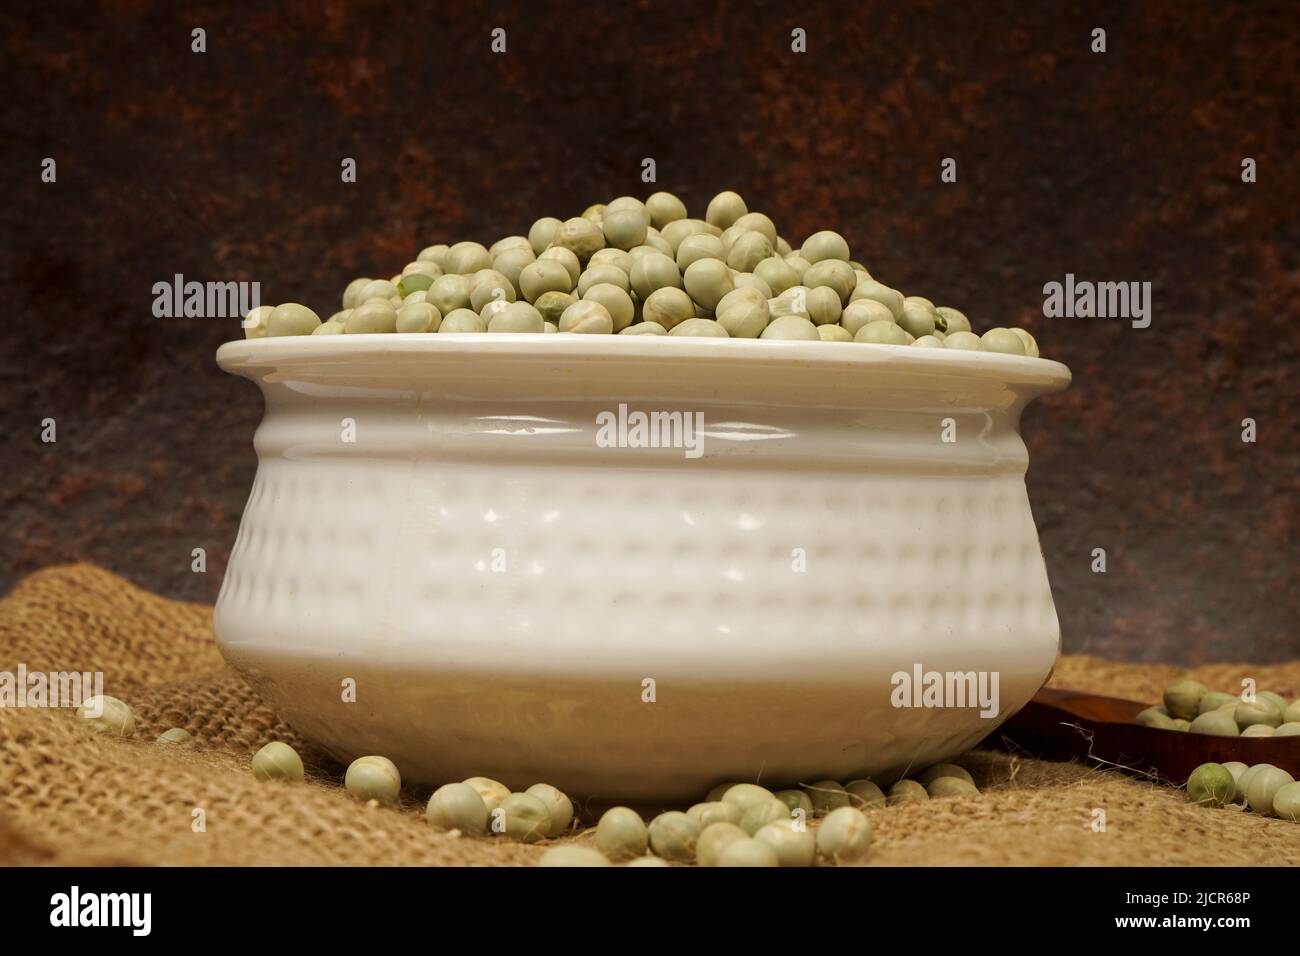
{"points": [[75, 798]]}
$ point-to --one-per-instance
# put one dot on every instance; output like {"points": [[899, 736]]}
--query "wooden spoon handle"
{"points": [[1061, 724]]}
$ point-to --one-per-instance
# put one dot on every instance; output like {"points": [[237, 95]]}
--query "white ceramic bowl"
{"points": [[499, 587]]}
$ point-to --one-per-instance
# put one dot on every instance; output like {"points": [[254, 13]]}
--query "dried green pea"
{"points": [[706, 281], [647, 861], [825, 245], [465, 258], [862, 311], [418, 317], [488, 285], [522, 817], [1258, 711], [1212, 784], [697, 246], [587, 316], [823, 305], [558, 805], [107, 715], [1286, 802], [1179, 724], [864, 794], [713, 839], [827, 795], [844, 835], [760, 814], [603, 275], [668, 307], [491, 791], [625, 227], [951, 787], [580, 236], [1289, 729], [351, 292], [835, 274], [621, 834], [458, 806], [512, 263], [719, 791], [833, 333], [463, 320], [1029, 342], [616, 301], [673, 836], [791, 328], [517, 317], [758, 222], [618, 258], [373, 778], [1264, 783], [291, 318], [907, 791], [777, 273], [414, 282], [437, 254], [929, 342], [644, 328], [967, 341], [329, 328], [1213, 700], [542, 277], [796, 800], [1292, 713], [883, 333], [716, 811], [664, 208], [652, 272], [552, 305], [373, 317], [952, 319], [747, 852], [793, 844], [448, 293], [944, 770], [724, 209], [542, 233], [918, 316], [699, 328], [1277, 700], [570, 855], [254, 322], [1259, 730], [744, 795], [1002, 340], [748, 250], [508, 244], [177, 735], [1216, 723], [383, 289], [891, 299], [277, 761], [566, 258], [1182, 698]]}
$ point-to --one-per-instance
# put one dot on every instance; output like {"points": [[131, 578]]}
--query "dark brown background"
{"points": [[1120, 166]]}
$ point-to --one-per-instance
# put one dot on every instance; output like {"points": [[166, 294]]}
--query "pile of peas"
{"points": [[737, 824], [1191, 706], [629, 267]]}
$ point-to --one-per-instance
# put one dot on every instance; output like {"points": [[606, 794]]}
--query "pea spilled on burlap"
{"points": [[71, 797]]}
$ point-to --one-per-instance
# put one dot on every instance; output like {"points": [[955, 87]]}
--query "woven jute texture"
{"points": [[71, 797]]}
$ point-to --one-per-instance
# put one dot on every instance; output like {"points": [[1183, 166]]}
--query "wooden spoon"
{"points": [[1069, 725]]}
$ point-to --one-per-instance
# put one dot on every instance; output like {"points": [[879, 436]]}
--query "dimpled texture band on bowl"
{"points": [[500, 586]]}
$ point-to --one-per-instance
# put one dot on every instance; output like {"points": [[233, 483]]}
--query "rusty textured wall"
{"points": [[1116, 166]]}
